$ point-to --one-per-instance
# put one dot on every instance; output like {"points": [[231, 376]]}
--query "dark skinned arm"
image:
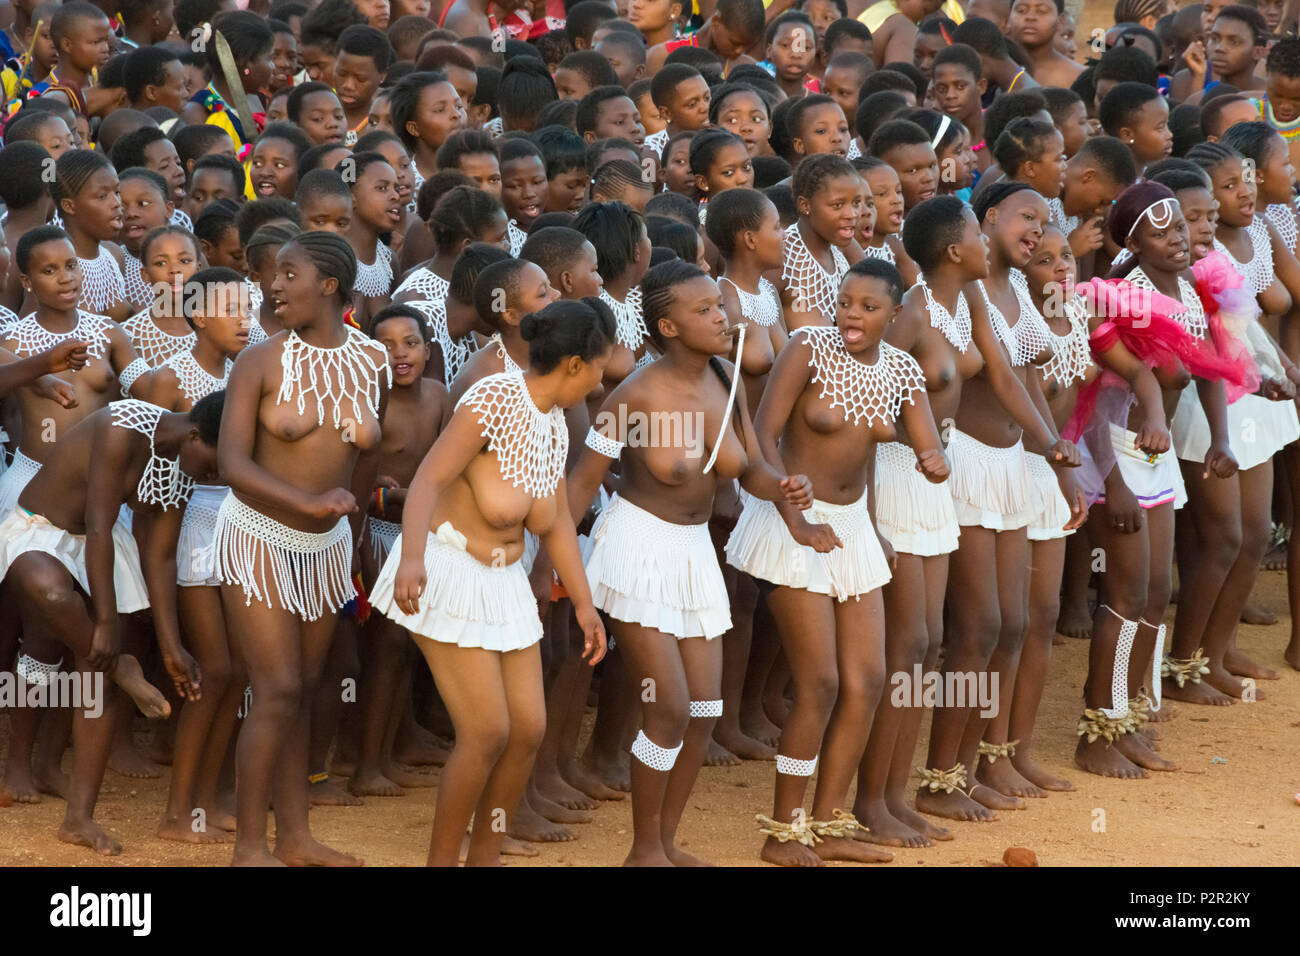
{"points": [[160, 531], [16, 372], [1219, 459], [561, 543], [110, 450]]}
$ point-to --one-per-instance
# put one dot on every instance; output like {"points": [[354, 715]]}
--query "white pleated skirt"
{"points": [[465, 602], [1153, 482], [1257, 428], [195, 548], [914, 515], [990, 486], [21, 532], [1050, 511], [648, 571], [761, 545]]}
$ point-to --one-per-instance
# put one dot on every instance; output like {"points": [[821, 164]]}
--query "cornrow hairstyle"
{"points": [[404, 99], [153, 235], [705, 146], [254, 215], [613, 178], [664, 83], [896, 133], [562, 149], [462, 213], [1122, 102], [1174, 162], [233, 167], [817, 170], [732, 212], [332, 256], [995, 195], [22, 175], [872, 268], [314, 158], [583, 328], [657, 299], [464, 142], [503, 276], [931, 227], [204, 278], [33, 238], [795, 118], [146, 66], [744, 18], [983, 36], [73, 170], [298, 96], [1007, 107], [769, 170], [400, 311], [615, 230], [559, 113], [1254, 141], [326, 21], [734, 88], [588, 114], [472, 260], [361, 39], [592, 67], [129, 150], [293, 135], [1024, 140], [962, 55], [1133, 11], [671, 234], [1179, 179], [932, 122], [265, 239], [247, 34], [1284, 58], [596, 151], [148, 175], [435, 187], [1210, 156], [876, 110], [526, 86]]}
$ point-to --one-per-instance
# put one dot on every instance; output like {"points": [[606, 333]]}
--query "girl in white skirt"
{"points": [[1229, 522], [72, 569], [219, 324], [916, 516], [834, 394], [306, 408], [992, 495], [461, 589], [678, 427]]}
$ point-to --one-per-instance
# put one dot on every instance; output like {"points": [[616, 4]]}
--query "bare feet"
{"points": [[743, 746], [126, 761], [220, 817], [995, 800], [908, 817], [182, 831], [1235, 662], [555, 812], [527, 824], [615, 773], [850, 851], [1138, 751], [1159, 715], [313, 853], [374, 784], [1194, 693], [720, 756], [511, 847], [1074, 621], [1003, 777], [953, 806], [756, 726], [260, 858], [577, 774], [1229, 684], [129, 676], [1274, 558], [328, 793], [1258, 616], [19, 783], [341, 766], [1101, 758], [680, 857], [880, 827], [776, 708], [1038, 776], [88, 833], [655, 857], [788, 854], [551, 785], [409, 777]]}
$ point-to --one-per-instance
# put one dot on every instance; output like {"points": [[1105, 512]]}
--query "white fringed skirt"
{"points": [[1257, 428], [914, 515], [1049, 511], [990, 486]]}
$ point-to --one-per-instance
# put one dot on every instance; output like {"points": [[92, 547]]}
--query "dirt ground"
{"points": [[1233, 802]]}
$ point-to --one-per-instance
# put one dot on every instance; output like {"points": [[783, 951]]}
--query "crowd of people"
{"points": [[763, 376]]}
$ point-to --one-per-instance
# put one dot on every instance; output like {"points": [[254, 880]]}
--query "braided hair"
{"points": [[1210, 156], [462, 213], [614, 228], [73, 170], [333, 257], [265, 238], [816, 171]]}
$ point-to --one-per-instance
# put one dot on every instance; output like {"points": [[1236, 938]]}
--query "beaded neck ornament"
{"points": [[254, 296], [347, 373], [376, 279], [454, 354], [153, 344], [1056, 210], [1029, 337], [517, 237], [426, 283], [954, 326], [7, 318], [873, 392], [630, 331], [511, 366], [32, 338], [883, 251], [195, 381], [762, 307], [811, 284], [1282, 216], [138, 292], [1193, 317], [1258, 270], [162, 483], [102, 285], [1071, 352], [531, 445]]}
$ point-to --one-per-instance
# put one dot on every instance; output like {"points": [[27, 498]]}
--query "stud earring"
{"points": [[246, 74]]}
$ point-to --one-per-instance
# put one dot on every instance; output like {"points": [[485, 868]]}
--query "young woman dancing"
{"points": [[170, 258], [306, 409], [86, 197], [829, 201], [497, 470], [833, 394], [673, 594]]}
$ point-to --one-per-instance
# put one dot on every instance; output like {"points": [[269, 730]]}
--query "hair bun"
{"points": [[529, 327]]}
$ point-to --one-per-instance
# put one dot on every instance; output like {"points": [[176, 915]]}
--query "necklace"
{"points": [[630, 331], [162, 483], [32, 338], [531, 445], [511, 366], [454, 353], [153, 344], [425, 282], [873, 392], [138, 292], [517, 237], [102, 285], [1071, 352], [883, 251], [1193, 316], [811, 284], [196, 382], [376, 279], [762, 307], [1282, 216], [348, 372], [955, 327], [1258, 269], [1030, 336], [1067, 224]]}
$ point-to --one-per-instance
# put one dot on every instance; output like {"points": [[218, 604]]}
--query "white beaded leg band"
{"points": [[706, 708], [1157, 656], [36, 672], [652, 755], [1119, 671], [792, 767]]}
